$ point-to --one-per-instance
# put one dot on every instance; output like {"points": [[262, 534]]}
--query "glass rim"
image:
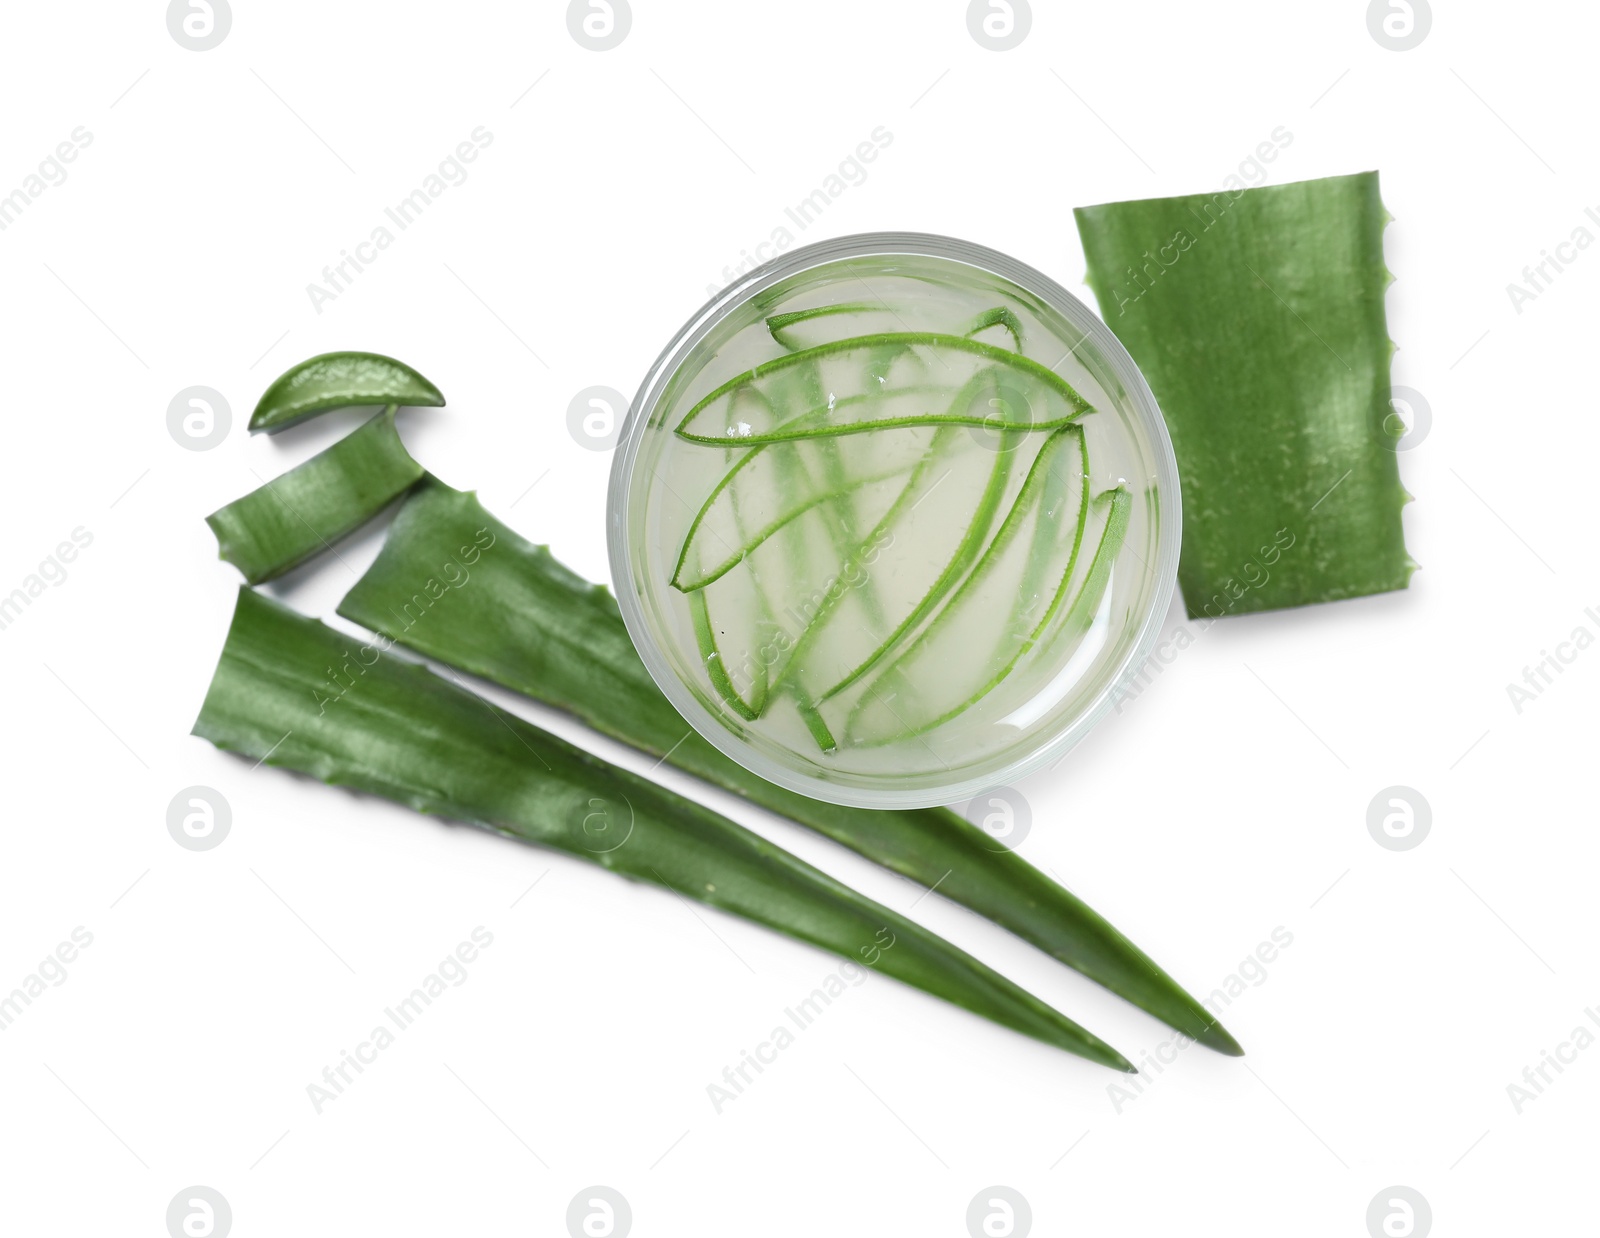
{"points": [[866, 791]]}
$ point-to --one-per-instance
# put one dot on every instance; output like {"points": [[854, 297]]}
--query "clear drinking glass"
{"points": [[893, 616]]}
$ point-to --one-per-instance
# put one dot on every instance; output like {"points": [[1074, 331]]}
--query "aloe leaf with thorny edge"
{"points": [[745, 434], [280, 525], [516, 617], [399, 731], [339, 380], [1257, 316]]}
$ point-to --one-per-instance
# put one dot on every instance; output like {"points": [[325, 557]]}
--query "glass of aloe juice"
{"points": [[892, 518]]}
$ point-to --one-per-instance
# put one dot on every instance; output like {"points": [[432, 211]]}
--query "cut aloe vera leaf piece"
{"points": [[743, 684], [996, 321], [1257, 316], [984, 625], [854, 624], [399, 731], [980, 520], [304, 511], [762, 519], [711, 421], [850, 623], [796, 330], [748, 620], [1066, 489], [926, 687], [744, 621], [512, 614], [1072, 623], [771, 486], [339, 380]]}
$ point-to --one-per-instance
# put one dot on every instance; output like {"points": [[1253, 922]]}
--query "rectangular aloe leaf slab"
{"points": [[1257, 317]]}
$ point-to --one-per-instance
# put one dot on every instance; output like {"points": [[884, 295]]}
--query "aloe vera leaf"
{"points": [[401, 732], [290, 519], [955, 568], [1032, 596], [749, 602], [901, 693], [879, 361], [967, 632], [1076, 405], [999, 316], [705, 636], [778, 324], [779, 557], [515, 616], [704, 542], [339, 380], [804, 669], [1257, 316]]}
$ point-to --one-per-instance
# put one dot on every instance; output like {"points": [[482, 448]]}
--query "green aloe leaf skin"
{"points": [[397, 730], [969, 647], [849, 634], [702, 424], [752, 494], [1258, 318], [520, 619], [279, 526], [339, 380]]}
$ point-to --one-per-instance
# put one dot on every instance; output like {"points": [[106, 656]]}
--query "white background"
{"points": [[1228, 800]]}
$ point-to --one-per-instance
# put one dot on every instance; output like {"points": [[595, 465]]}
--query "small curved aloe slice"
{"points": [[790, 329], [923, 688], [711, 421], [1000, 317], [339, 380], [279, 526]]}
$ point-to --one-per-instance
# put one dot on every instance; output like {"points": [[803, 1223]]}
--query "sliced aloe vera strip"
{"points": [[520, 619], [401, 732], [749, 504], [747, 702], [962, 558], [742, 621], [339, 380], [1257, 316], [819, 662], [920, 692], [797, 330], [304, 511], [819, 659], [952, 661], [1062, 486], [1000, 317], [700, 423]]}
